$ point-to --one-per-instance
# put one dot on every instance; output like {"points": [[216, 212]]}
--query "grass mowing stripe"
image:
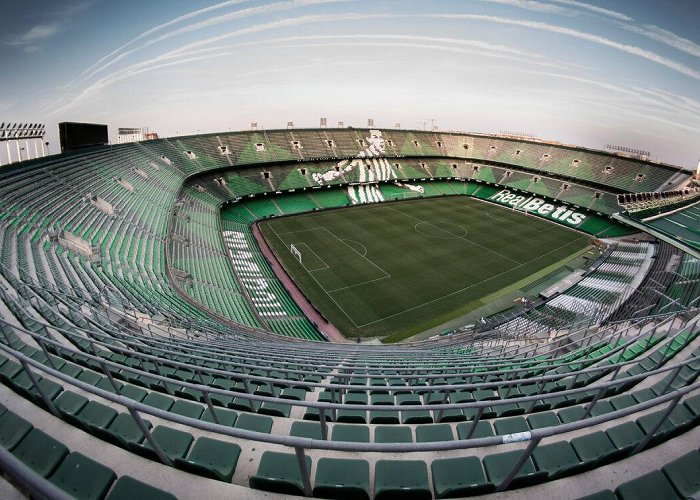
{"points": [[467, 251]]}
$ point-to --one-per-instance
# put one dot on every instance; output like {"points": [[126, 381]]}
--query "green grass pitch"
{"points": [[401, 268]]}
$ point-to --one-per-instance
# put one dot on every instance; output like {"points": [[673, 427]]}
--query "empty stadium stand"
{"points": [[147, 349]]}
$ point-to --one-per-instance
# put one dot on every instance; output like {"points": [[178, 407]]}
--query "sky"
{"points": [[585, 72]]}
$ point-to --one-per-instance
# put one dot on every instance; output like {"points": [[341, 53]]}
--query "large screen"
{"points": [[81, 135]]}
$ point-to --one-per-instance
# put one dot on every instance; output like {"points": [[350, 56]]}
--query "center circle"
{"points": [[441, 230]]}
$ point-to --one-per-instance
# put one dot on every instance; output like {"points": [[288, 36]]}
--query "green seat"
{"points": [[542, 420], [401, 479], [499, 465], [483, 429], [459, 477], [556, 459], [651, 486], [352, 416], [309, 430], [622, 401], [13, 429], [133, 392], [211, 458], [684, 474], [433, 432], [279, 473], [24, 385], [351, 433], [69, 403], [40, 452], [95, 415], [256, 423], [595, 449], [625, 436], [510, 425], [83, 478], [275, 409], [160, 401], [342, 478], [9, 370], [187, 409], [571, 414], [173, 442], [123, 431], [416, 417], [392, 434], [128, 488], [293, 394], [693, 405], [225, 416]]}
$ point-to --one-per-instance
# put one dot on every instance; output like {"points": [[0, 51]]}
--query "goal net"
{"points": [[295, 252]]}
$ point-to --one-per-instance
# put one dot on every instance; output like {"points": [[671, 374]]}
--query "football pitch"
{"points": [[401, 268]]}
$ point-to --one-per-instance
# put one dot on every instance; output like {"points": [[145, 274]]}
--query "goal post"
{"points": [[295, 252]]}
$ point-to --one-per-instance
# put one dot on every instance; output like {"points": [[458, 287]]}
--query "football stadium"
{"points": [[370, 312]]}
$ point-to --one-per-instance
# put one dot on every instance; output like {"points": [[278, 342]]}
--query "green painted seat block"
{"points": [[211, 458], [123, 431], [499, 465], [256, 423], [41, 452], [309, 430], [625, 436], [649, 486], [225, 416], [542, 420], [174, 443], [279, 473], [434, 432], [70, 403], [352, 416], [510, 425], [351, 433], [83, 478], [401, 479], [392, 434], [557, 459], [128, 488], [275, 409], [159, 401], [483, 429], [684, 474], [595, 448], [13, 429], [342, 478], [187, 409], [459, 477], [133, 392], [95, 414]]}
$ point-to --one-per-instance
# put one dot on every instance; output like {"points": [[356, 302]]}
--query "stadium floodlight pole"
{"points": [[9, 156]]}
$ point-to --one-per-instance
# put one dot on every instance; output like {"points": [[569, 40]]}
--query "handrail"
{"points": [[302, 444], [601, 387]]}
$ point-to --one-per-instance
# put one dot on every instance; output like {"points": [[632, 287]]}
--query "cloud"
{"points": [[32, 39], [667, 38], [595, 9], [532, 5], [116, 56], [581, 35]]}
